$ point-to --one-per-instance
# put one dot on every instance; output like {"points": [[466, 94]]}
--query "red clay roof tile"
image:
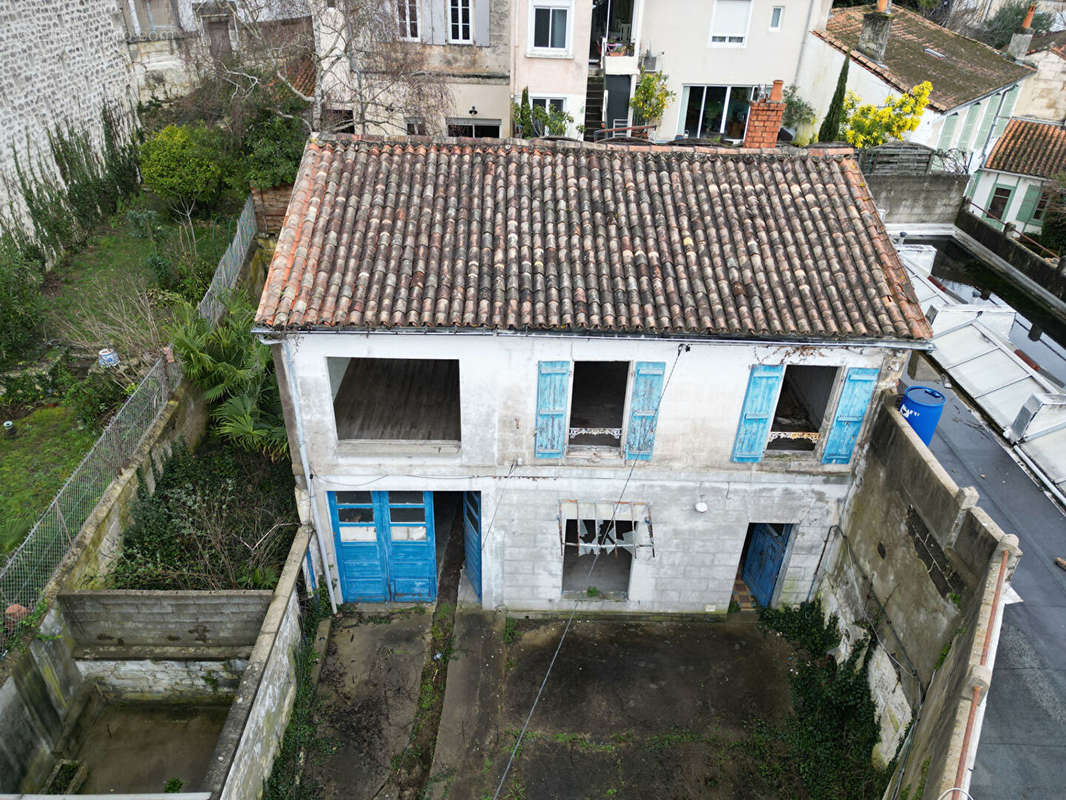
{"points": [[565, 236], [1030, 147]]}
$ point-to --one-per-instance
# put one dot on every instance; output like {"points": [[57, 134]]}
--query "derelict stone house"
{"points": [[637, 368]]}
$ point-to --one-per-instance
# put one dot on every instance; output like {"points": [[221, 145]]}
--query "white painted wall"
{"points": [[563, 74], [696, 555], [985, 182], [678, 32], [1044, 94]]}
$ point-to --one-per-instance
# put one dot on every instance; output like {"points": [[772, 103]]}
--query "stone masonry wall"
{"points": [[60, 61], [911, 565]]}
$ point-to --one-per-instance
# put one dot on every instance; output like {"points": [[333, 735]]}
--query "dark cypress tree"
{"points": [[525, 116], [834, 117]]}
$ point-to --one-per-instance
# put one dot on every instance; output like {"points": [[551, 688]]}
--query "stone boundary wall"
{"points": [[270, 208], [192, 619], [910, 564], [253, 731], [62, 62]]}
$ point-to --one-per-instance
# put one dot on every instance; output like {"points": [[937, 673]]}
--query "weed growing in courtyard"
{"points": [[510, 631]]}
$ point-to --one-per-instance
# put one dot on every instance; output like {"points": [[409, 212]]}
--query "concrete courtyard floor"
{"points": [[631, 709]]}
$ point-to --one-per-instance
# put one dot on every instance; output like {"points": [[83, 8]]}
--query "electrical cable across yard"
{"points": [[566, 629]]}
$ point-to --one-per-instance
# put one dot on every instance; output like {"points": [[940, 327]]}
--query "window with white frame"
{"points": [[549, 26], [729, 23], [407, 17], [416, 126], [460, 30], [777, 14]]}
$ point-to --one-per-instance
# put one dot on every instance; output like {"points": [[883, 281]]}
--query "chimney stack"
{"points": [[874, 36], [1020, 41], [764, 118]]}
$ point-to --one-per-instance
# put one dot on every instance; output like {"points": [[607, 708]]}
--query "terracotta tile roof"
{"points": [[574, 237], [1055, 42], [1030, 147], [968, 70]]}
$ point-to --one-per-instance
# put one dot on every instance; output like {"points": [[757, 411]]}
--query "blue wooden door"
{"points": [[472, 532], [385, 546], [361, 555], [412, 553], [762, 563]]}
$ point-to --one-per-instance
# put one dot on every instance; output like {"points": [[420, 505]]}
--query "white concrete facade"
{"points": [[971, 128], [696, 554]]}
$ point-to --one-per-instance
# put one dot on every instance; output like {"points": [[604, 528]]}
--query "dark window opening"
{"points": [[597, 403], [549, 28], [459, 20], [998, 205], [801, 407], [416, 127], [395, 399], [407, 14], [489, 129], [614, 541], [1041, 207]]}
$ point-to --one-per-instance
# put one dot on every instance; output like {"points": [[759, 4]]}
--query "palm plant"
{"points": [[235, 373]]}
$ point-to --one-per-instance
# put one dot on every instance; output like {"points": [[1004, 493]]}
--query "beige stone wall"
{"points": [[1042, 95]]}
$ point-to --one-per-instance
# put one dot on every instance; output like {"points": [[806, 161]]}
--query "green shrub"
{"points": [[29, 389], [96, 397], [220, 518], [21, 303], [274, 149], [998, 29], [183, 165]]}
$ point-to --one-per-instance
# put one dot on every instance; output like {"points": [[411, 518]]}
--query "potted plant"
{"points": [[650, 98]]}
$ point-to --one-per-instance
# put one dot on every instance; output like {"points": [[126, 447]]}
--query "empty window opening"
{"points": [[612, 531], [484, 129], [598, 402], [395, 399], [801, 407]]}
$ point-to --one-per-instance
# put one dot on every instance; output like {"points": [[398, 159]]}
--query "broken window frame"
{"points": [[636, 512]]}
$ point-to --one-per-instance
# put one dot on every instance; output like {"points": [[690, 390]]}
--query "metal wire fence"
{"points": [[30, 567]]}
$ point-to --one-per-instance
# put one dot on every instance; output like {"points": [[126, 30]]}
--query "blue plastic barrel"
{"points": [[922, 406]]}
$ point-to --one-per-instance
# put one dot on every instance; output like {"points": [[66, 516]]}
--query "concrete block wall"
{"points": [[60, 61], [164, 680], [914, 199], [254, 728], [696, 555], [165, 618]]}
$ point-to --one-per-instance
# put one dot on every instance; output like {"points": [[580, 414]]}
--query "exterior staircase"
{"points": [[593, 104]]}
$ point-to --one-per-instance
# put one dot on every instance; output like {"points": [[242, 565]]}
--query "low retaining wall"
{"points": [[912, 564], [194, 619], [918, 199], [270, 208], [99, 541], [256, 723], [1048, 275]]}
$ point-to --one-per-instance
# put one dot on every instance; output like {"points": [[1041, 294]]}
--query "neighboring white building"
{"points": [[974, 91], [1012, 186], [663, 357], [1044, 95]]}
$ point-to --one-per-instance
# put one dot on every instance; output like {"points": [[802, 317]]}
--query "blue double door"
{"points": [[385, 545], [763, 557]]}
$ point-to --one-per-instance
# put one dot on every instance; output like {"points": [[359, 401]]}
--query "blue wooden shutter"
{"points": [[553, 385], [851, 410], [758, 412], [644, 408]]}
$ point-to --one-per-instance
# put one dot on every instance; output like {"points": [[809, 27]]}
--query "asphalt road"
{"points": [[1022, 750]]}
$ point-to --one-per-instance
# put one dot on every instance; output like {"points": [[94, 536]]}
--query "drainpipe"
{"points": [[286, 349]]}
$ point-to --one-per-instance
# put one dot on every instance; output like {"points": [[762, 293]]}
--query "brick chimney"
{"points": [[874, 36], [764, 118], [1020, 41]]}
